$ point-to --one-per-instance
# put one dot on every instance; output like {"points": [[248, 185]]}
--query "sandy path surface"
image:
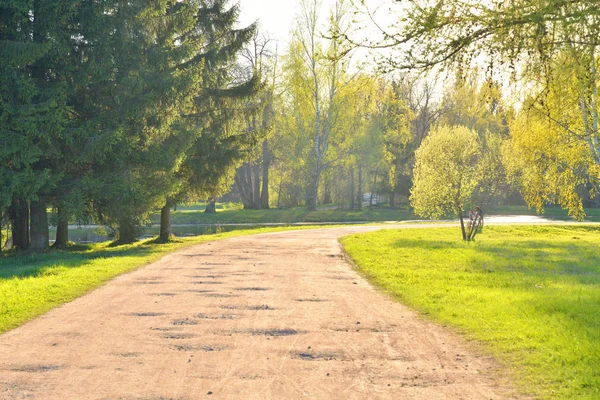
{"points": [[271, 316]]}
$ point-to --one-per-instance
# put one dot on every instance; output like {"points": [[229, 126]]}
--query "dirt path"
{"points": [[272, 316]]}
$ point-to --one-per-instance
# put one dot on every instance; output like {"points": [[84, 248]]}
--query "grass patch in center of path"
{"points": [[531, 293], [32, 284]]}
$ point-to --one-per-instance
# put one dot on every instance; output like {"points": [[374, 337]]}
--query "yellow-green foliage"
{"points": [[446, 172], [531, 294], [546, 161]]}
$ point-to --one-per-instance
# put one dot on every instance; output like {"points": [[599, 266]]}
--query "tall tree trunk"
{"points": [[127, 231], [462, 226], [327, 194], [311, 200], [264, 196], [243, 180], [279, 191], [248, 184], [256, 187], [211, 207], [352, 188], [62, 229], [393, 198], [39, 225], [373, 188], [165, 222], [359, 195], [19, 217]]}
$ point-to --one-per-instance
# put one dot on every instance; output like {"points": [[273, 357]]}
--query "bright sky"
{"points": [[277, 17]]}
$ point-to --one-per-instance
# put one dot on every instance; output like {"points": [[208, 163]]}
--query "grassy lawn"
{"points": [[33, 284], [531, 294], [553, 212], [231, 214]]}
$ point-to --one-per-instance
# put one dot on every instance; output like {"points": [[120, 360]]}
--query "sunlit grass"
{"points": [[233, 215], [553, 212], [531, 293]]}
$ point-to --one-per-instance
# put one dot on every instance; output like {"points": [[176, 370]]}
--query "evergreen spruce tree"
{"points": [[33, 112], [215, 119]]}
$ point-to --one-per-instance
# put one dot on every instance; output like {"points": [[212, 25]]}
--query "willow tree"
{"points": [[547, 159], [455, 169]]}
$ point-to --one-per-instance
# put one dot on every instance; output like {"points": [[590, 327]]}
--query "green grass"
{"points": [[32, 284], [531, 294], [553, 212], [231, 213], [234, 215]]}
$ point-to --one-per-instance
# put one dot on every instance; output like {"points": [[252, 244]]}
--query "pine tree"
{"points": [[219, 141], [33, 112]]}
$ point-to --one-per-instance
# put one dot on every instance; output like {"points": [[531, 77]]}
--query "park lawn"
{"points": [[196, 215], [32, 284], [531, 294], [232, 213], [552, 212]]}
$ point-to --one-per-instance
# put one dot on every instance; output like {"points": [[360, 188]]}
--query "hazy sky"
{"points": [[277, 17]]}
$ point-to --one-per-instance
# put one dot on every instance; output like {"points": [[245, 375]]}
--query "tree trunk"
{"points": [[165, 222], [352, 188], [243, 180], [264, 196], [62, 229], [279, 191], [373, 188], [327, 195], [462, 226], [256, 188], [127, 231], [311, 201], [394, 183], [248, 185], [19, 217], [359, 195], [39, 225], [211, 207]]}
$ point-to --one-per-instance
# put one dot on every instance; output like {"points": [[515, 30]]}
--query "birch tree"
{"points": [[325, 66]]}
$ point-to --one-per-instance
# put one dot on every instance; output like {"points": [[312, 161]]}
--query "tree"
{"points": [[548, 166], [33, 112], [320, 70], [154, 67], [448, 170], [431, 33], [398, 138], [362, 147], [252, 178], [218, 140], [475, 103]]}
